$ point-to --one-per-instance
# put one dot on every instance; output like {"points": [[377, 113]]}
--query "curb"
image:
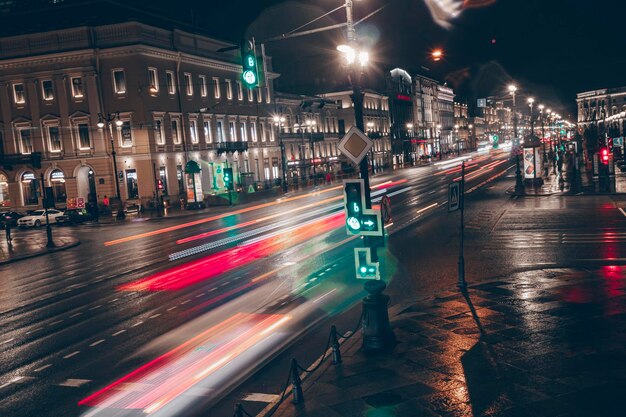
{"points": [[39, 253]]}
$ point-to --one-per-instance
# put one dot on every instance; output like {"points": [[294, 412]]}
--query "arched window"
{"points": [[29, 189], [57, 180], [5, 200]]}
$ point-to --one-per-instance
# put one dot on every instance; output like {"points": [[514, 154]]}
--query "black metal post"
{"points": [[50, 242], [543, 141], [461, 263], [519, 183], [283, 161], [120, 207]]}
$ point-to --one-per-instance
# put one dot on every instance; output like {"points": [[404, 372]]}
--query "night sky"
{"points": [[551, 48]]}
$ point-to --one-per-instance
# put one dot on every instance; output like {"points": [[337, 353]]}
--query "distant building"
{"points": [[424, 105], [376, 120], [445, 117], [403, 124], [179, 100]]}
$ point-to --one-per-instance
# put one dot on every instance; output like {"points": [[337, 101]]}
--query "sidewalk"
{"points": [[560, 183], [540, 343], [30, 243]]}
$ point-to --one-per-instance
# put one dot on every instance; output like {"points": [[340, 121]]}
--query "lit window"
{"points": [[125, 134], [203, 89], [262, 130], [268, 98], [253, 131], [193, 130], [19, 95], [53, 134], [242, 130], [119, 81], [77, 87], [176, 138], [26, 139], [219, 129], [47, 90], [159, 134], [231, 130], [216, 87], [239, 91], [81, 129], [171, 83], [153, 80], [229, 89], [208, 136], [188, 84]]}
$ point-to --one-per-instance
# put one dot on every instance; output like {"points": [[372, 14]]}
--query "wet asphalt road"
{"points": [[69, 328]]}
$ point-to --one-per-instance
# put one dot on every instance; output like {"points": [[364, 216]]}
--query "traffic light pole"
{"points": [[462, 284], [377, 333]]}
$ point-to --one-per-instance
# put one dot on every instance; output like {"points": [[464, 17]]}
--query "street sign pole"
{"points": [[462, 284]]}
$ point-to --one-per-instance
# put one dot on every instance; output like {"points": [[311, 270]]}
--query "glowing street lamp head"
{"points": [[540, 107], [364, 58], [512, 88], [436, 54], [531, 100]]}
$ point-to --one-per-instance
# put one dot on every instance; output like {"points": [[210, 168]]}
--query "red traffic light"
{"points": [[160, 184], [605, 155]]}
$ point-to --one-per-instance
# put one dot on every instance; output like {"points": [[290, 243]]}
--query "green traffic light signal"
{"points": [[228, 178]]}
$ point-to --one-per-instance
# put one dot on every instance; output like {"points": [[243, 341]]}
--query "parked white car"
{"points": [[38, 217]]}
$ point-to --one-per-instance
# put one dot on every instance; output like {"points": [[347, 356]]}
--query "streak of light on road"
{"points": [[234, 212], [154, 385], [212, 266]]}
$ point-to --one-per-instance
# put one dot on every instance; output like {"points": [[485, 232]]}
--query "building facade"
{"points": [[376, 120], [424, 105], [175, 97], [403, 126], [444, 112]]}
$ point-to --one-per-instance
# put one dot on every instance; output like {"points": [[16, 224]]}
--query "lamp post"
{"points": [[409, 144], [310, 125], [458, 142], [532, 121], [377, 333], [278, 121], [439, 141], [470, 134], [519, 184], [543, 139], [109, 119]]}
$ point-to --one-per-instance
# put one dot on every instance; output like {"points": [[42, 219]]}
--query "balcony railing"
{"points": [[231, 147]]}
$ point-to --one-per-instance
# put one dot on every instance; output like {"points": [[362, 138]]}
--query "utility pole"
{"points": [[461, 263], [377, 333]]}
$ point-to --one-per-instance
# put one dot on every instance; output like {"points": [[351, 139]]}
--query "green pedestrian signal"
{"points": [[228, 178], [250, 73], [354, 199], [365, 268]]}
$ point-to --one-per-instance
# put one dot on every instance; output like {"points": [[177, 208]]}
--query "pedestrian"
{"points": [[106, 203], [7, 229], [328, 178]]}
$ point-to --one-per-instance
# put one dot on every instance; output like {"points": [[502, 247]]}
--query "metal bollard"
{"points": [[334, 344], [296, 383], [238, 410]]}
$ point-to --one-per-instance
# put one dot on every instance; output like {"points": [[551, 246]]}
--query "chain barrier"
{"points": [[293, 378]]}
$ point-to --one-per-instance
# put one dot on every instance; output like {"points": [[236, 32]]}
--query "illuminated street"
{"points": [[308, 208]]}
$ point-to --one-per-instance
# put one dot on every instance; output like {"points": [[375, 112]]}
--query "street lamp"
{"points": [[278, 121], [519, 184], [310, 125], [531, 100], [470, 133], [458, 142], [439, 140], [109, 119], [543, 139], [436, 55], [377, 333]]}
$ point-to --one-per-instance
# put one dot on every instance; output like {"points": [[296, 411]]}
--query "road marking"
{"points": [[7, 341], [200, 295], [427, 207], [96, 307], [74, 383], [185, 302], [118, 333], [137, 324], [55, 322], [96, 343], [171, 308], [261, 398], [622, 211], [42, 368], [154, 316], [75, 314], [71, 354], [12, 381]]}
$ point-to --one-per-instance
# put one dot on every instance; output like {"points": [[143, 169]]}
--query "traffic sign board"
{"points": [[355, 145], [454, 196], [365, 268], [385, 209]]}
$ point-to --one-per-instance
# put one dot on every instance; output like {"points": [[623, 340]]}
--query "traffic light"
{"points": [[365, 268], [604, 156], [160, 184], [353, 197], [359, 219], [250, 73], [228, 178]]}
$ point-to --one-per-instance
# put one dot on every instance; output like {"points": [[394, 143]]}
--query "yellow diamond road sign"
{"points": [[355, 145]]}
